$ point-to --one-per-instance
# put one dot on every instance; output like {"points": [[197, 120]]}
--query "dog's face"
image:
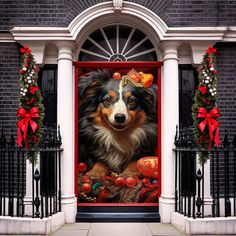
{"points": [[121, 108]]}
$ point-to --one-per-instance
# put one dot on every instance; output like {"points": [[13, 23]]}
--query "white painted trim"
{"points": [[204, 226], [223, 34], [31, 226]]}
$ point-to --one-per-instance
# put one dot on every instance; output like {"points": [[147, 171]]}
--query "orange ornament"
{"points": [[146, 79], [148, 166], [116, 76], [86, 187]]}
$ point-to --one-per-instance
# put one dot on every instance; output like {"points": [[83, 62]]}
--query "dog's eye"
{"points": [[107, 101], [131, 102]]}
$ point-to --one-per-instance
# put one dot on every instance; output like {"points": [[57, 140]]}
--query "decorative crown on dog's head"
{"points": [[137, 79]]}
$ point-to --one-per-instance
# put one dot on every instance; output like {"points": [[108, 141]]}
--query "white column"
{"points": [[170, 118], [65, 118]]}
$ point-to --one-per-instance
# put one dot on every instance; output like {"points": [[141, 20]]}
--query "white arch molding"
{"points": [[102, 14], [106, 14]]}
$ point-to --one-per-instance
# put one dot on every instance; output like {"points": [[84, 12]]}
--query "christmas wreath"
{"points": [[31, 108], [204, 109]]}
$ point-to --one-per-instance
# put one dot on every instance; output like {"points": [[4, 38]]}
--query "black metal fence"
{"points": [[30, 188], [190, 184]]}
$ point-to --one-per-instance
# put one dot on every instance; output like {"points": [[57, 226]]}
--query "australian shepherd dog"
{"points": [[117, 125]]}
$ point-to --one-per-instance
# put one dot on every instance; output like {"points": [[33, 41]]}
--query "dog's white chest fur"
{"points": [[117, 153]]}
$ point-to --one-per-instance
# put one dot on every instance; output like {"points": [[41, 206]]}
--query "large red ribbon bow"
{"points": [[213, 125], [24, 123]]}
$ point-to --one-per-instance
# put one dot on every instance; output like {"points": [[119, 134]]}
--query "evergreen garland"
{"points": [[31, 108], [204, 109]]}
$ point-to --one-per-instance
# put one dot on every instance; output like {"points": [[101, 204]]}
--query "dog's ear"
{"points": [[150, 96], [90, 83], [92, 88]]}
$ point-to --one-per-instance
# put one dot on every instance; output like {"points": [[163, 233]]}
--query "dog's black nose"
{"points": [[120, 118]]}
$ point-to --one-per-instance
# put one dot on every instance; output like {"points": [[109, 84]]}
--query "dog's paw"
{"points": [[130, 170], [94, 174]]}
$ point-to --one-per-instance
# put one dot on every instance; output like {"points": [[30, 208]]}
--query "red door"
{"points": [[117, 140]]}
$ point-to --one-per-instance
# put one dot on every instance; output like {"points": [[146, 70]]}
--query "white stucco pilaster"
{"points": [[170, 118], [65, 114]]}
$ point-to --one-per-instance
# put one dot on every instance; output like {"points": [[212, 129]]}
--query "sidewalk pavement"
{"points": [[117, 229]]}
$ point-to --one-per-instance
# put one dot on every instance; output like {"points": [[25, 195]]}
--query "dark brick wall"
{"points": [[62, 12], [226, 66], [41, 12], [201, 13], [9, 86]]}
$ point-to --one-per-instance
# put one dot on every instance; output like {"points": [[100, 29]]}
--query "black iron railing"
{"points": [[190, 183], [34, 192]]}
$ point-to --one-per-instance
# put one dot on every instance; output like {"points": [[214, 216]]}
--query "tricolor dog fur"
{"points": [[117, 125]]}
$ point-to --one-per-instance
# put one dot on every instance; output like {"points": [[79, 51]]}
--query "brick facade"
{"points": [[41, 12], [226, 65], [9, 86], [62, 12]]}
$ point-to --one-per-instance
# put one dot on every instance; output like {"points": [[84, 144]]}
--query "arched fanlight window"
{"points": [[117, 43]]}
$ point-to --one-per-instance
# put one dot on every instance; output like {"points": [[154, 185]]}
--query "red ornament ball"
{"points": [[147, 166], [155, 175], [120, 181], [82, 167], [130, 182], [86, 188], [22, 72], [116, 76]]}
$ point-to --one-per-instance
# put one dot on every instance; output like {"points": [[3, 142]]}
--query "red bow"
{"points": [[149, 192], [24, 122], [213, 125], [25, 50]]}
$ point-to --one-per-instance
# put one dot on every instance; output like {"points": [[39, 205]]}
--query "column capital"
{"points": [[165, 45], [170, 49], [65, 49], [65, 45]]}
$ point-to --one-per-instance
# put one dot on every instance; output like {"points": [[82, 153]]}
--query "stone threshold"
{"points": [[31, 226], [204, 226]]}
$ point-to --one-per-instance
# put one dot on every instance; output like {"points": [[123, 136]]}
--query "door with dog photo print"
{"points": [[117, 134]]}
